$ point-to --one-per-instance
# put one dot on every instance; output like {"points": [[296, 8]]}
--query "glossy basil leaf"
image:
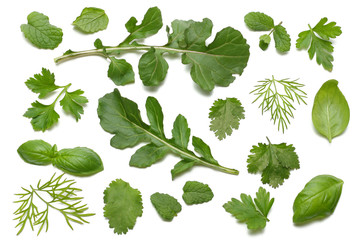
{"points": [[36, 152], [79, 161], [331, 112], [318, 199]]}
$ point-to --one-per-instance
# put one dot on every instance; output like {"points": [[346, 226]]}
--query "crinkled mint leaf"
{"points": [[258, 21], [281, 38], [91, 20], [264, 41], [166, 206], [196, 193]]}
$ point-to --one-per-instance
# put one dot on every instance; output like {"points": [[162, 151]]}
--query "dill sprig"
{"points": [[57, 193], [278, 97]]}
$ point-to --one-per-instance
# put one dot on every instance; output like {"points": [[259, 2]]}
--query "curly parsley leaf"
{"points": [[317, 41], [166, 206], [246, 211], [123, 205], [121, 117], [40, 32], [91, 20], [273, 161], [196, 193], [225, 116]]}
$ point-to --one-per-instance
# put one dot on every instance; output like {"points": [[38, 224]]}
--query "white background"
{"points": [[20, 60]]}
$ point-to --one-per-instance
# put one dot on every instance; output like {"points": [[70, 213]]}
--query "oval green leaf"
{"points": [[318, 199], [37, 152], [91, 20], [331, 112]]}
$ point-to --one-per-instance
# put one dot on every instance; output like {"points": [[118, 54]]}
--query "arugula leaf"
{"points": [[79, 161], [91, 20], [254, 215], [317, 41], [258, 21], [121, 117], [212, 64], [225, 116], [43, 116], [331, 112], [166, 206], [318, 199], [120, 72], [123, 205], [40, 32], [196, 193], [273, 161]]}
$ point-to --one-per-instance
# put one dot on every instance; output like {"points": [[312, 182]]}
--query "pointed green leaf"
{"points": [[42, 116], [155, 116], [203, 149], [36, 152], [120, 72], [263, 201], [181, 132], [327, 31], [73, 103], [43, 83], [181, 167]]}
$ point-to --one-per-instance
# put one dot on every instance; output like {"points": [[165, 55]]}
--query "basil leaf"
{"points": [[37, 152], [318, 199], [331, 112], [79, 161]]}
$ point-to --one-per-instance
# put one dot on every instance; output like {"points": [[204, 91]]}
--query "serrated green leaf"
{"points": [[281, 38], [327, 31], [304, 40], [43, 83], [263, 201], [196, 193], [91, 20], [258, 21], [73, 103], [166, 206], [323, 50], [40, 32], [42, 116], [120, 72], [264, 41], [123, 205], [152, 68], [225, 116]]}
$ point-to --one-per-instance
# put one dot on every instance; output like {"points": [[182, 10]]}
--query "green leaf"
{"points": [[225, 116], [181, 167], [331, 112], [123, 205], [121, 117], [120, 72], [196, 193], [264, 41], [40, 32], [79, 161], [166, 206], [73, 103], [176, 39], [150, 25], [37, 152], [282, 39], [152, 68], [273, 161], [247, 212], [98, 44], [258, 21], [318, 199], [91, 20], [327, 31], [42, 116], [43, 83]]}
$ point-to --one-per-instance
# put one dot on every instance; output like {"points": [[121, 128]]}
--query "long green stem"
{"points": [[65, 88]]}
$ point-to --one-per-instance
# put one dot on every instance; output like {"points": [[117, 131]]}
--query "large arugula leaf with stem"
{"points": [[211, 64], [121, 117]]}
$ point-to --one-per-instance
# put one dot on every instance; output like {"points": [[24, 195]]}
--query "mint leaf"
{"points": [[273, 161], [246, 211], [282, 39], [120, 72], [258, 21], [196, 193], [73, 103], [152, 68], [264, 41], [166, 206], [91, 20], [40, 32], [43, 83], [42, 116], [123, 205], [225, 116]]}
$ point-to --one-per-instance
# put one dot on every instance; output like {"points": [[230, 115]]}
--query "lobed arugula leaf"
{"points": [[121, 117], [253, 214], [196, 193], [273, 161], [166, 206], [91, 20], [225, 116], [317, 41], [40, 32], [211, 65], [120, 72]]}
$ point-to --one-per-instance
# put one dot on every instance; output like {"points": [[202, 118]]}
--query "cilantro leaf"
{"points": [[258, 21], [91, 20], [123, 205], [246, 211], [317, 41], [166, 206], [120, 72], [40, 32], [196, 193], [282, 39], [121, 117], [73, 102], [274, 161], [43, 83], [42, 116], [225, 116]]}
